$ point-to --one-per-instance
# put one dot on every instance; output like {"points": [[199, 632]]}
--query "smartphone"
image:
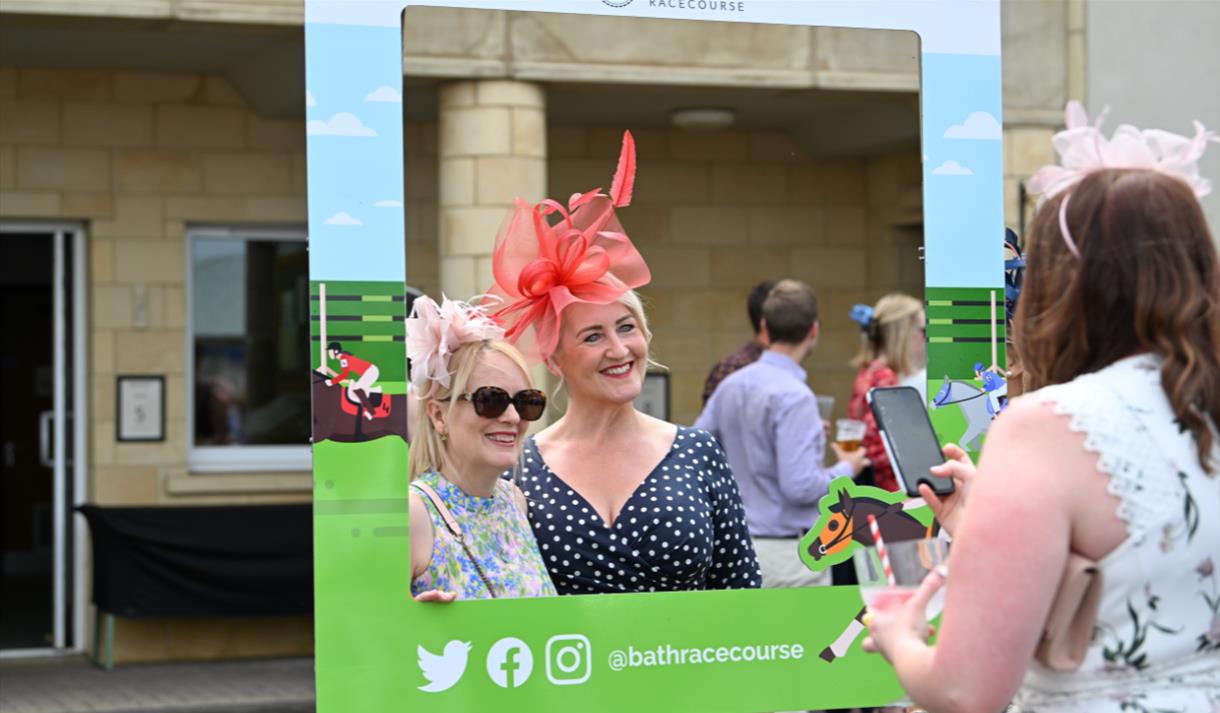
{"points": [[910, 442]]}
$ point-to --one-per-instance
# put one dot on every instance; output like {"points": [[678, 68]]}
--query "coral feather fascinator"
{"points": [[542, 267]]}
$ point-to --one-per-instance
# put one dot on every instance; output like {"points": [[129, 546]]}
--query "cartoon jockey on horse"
{"points": [[366, 374], [994, 386]]}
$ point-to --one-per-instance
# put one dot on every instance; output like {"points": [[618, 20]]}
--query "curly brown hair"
{"points": [[1147, 280]]}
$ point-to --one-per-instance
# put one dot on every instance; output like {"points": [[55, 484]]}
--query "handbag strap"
{"points": [[451, 524]]}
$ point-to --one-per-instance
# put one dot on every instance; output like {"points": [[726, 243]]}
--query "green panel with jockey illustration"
{"points": [[365, 321], [967, 360], [366, 318], [377, 650]]}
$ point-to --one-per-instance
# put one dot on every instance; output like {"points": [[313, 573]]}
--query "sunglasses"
{"points": [[492, 402]]}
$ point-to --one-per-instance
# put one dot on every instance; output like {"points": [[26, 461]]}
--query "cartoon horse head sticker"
{"points": [[843, 523], [843, 527]]}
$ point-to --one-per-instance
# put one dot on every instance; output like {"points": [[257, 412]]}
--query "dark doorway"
{"points": [[27, 412]]}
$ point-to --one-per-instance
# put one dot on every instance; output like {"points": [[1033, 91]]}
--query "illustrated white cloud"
{"points": [[309, 100], [388, 203], [343, 219], [341, 124], [952, 168], [979, 125], [384, 93]]}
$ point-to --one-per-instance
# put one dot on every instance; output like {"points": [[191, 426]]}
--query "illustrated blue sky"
{"points": [[963, 212], [351, 170], [355, 145]]}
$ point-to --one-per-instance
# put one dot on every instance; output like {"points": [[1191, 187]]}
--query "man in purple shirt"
{"points": [[766, 418]]}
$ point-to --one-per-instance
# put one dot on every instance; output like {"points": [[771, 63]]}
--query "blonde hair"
{"points": [[427, 450], [889, 335]]}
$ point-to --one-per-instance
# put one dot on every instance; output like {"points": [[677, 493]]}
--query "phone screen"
{"points": [[911, 441]]}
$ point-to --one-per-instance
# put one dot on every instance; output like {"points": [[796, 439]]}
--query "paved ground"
{"points": [[75, 686]]}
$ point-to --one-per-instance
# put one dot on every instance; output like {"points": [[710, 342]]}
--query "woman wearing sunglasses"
{"points": [[619, 501], [470, 537]]}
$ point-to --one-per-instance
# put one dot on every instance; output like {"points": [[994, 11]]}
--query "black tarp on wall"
{"points": [[202, 561]]}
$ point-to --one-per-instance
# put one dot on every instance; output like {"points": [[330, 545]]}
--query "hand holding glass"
{"points": [[849, 433], [910, 561]]}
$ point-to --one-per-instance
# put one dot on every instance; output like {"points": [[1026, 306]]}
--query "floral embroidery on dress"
{"points": [[1210, 640], [498, 535], [1123, 654]]}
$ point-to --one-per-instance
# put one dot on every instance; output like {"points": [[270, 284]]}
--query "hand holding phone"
{"points": [[909, 439], [950, 508]]}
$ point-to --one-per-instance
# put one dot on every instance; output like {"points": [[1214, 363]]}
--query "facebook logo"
{"points": [[510, 662]]}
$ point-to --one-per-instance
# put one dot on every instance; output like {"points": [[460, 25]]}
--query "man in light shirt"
{"points": [[766, 418]]}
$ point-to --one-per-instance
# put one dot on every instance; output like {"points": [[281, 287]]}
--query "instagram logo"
{"points": [[567, 659]]}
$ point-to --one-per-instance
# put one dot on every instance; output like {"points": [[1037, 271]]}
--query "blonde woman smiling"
{"points": [[470, 538]]}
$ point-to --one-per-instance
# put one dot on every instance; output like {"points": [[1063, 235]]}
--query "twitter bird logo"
{"points": [[445, 670]]}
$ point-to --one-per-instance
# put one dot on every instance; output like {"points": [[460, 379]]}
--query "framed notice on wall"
{"points": [[654, 397], [140, 408]]}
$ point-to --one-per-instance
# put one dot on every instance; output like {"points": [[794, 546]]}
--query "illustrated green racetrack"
{"points": [[367, 319]]}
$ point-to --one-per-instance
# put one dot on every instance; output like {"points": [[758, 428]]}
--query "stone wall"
{"points": [[136, 158], [715, 213]]}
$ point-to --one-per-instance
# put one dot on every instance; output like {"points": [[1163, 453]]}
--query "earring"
{"points": [[444, 437]]}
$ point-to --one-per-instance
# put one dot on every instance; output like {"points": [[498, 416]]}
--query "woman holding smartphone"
{"points": [[1114, 458], [619, 501], [470, 538]]}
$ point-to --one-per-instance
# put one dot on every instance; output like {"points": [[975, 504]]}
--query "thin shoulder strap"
{"points": [[437, 503], [452, 524]]}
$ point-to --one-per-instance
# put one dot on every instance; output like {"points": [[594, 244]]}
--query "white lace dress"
{"points": [[1156, 645]]}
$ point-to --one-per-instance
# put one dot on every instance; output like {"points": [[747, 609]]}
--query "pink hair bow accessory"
{"points": [[541, 269], [434, 333], [1083, 149]]}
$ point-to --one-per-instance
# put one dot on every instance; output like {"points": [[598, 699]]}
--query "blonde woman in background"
{"points": [[470, 536], [893, 352]]}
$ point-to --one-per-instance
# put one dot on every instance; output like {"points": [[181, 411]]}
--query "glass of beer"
{"points": [[849, 433], [826, 407]]}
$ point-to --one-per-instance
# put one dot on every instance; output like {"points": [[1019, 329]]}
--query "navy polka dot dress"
{"points": [[683, 527]]}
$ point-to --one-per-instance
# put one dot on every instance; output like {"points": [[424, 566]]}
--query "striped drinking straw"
{"points": [[885, 557]]}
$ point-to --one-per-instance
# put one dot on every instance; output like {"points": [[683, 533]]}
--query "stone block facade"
{"points": [[136, 158], [713, 214]]}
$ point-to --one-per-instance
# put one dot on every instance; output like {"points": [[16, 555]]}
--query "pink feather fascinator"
{"points": [[541, 268], [1082, 149], [434, 333]]}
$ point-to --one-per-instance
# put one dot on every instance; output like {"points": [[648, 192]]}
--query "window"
{"points": [[249, 339]]}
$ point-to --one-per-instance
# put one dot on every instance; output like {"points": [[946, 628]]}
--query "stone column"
{"points": [[492, 149]]}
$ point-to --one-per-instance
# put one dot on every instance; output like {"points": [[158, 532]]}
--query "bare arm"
{"points": [[1037, 492], [421, 535]]}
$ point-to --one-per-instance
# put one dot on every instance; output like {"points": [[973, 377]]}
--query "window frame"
{"points": [[233, 458]]}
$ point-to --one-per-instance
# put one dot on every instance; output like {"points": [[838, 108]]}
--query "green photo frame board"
{"points": [[746, 650]]}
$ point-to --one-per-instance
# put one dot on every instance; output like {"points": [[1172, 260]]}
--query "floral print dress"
{"points": [[497, 534], [1156, 643]]}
